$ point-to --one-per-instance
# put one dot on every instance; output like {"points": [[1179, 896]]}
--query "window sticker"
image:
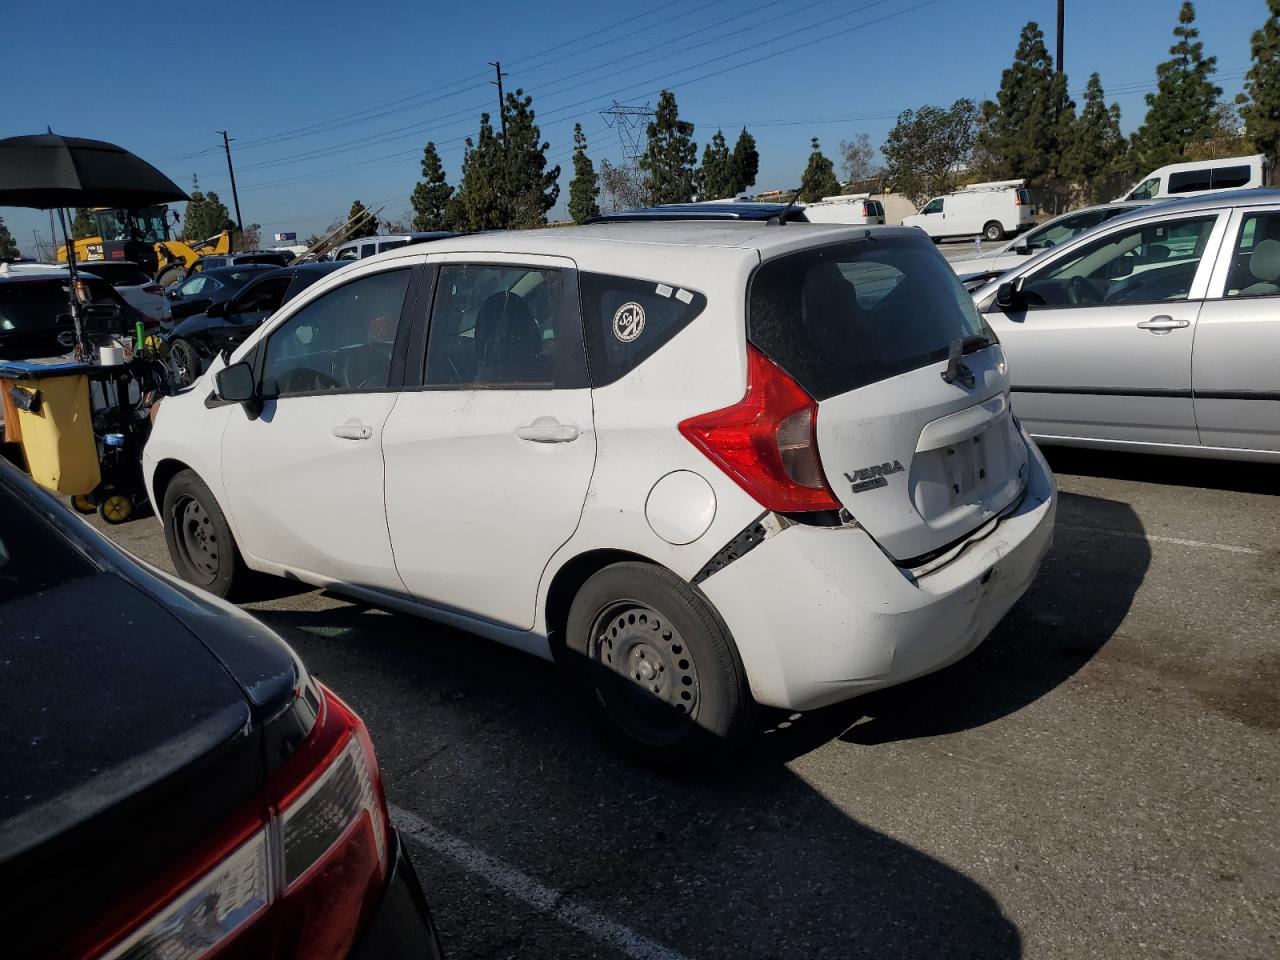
{"points": [[662, 290], [628, 321], [684, 296]]}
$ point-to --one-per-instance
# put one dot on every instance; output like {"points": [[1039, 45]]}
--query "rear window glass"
{"points": [[29, 304], [626, 320], [1189, 181], [117, 274], [839, 317]]}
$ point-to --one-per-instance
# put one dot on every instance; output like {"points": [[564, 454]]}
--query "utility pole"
{"points": [[235, 197], [1061, 20], [502, 114]]}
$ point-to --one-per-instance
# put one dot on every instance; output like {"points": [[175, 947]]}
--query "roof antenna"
{"points": [[779, 218]]}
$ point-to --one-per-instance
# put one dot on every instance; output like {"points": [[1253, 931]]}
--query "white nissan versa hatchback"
{"points": [[707, 465]]}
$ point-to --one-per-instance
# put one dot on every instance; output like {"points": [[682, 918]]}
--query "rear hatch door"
{"points": [[867, 326]]}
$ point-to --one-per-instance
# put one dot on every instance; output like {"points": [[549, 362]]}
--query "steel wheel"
{"points": [[646, 677], [196, 539]]}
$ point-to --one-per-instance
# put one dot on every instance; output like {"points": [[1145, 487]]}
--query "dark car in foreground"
{"points": [[173, 783], [197, 339]]}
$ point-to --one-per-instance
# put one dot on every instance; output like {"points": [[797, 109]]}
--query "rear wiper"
{"points": [[956, 370]]}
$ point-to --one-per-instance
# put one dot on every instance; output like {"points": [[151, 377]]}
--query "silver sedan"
{"points": [[1158, 331]]}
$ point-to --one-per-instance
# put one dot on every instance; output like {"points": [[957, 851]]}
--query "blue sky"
{"points": [[329, 102]]}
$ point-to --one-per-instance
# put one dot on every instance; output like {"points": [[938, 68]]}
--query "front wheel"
{"points": [[199, 538], [185, 362], [993, 231], [660, 666]]}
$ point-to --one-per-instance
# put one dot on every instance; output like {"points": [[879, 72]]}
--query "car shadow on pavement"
{"points": [[1080, 597], [491, 747], [1240, 476]]}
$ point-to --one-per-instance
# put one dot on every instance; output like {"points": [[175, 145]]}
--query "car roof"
{"points": [[710, 210], [1209, 201], [219, 273], [318, 266]]}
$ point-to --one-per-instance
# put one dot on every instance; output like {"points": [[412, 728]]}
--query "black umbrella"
{"points": [[47, 171]]}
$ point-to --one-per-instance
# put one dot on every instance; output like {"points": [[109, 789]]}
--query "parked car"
{"points": [[133, 284], [35, 311], [368, 246], [271, 258], [707, 464], [1198, 177], [1156, 332], [195, 340], [201, 290], [993, 210], [708, 210], [980, 268], [852, 209], [190, 789]]}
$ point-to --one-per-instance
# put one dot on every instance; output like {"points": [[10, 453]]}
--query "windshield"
{"points": [[1057, 232], [842, 316]]}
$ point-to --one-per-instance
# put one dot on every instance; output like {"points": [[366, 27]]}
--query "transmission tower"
{"points": [[632, 124]]}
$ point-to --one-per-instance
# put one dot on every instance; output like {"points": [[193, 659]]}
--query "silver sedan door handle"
{"points": [[353, 431], [548, 430], [1163, 324]]}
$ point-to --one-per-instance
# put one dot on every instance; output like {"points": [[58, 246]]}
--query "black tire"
{"points": [[693, 704], [184, 361], [170, 274], [993, 231], [199, 538]]}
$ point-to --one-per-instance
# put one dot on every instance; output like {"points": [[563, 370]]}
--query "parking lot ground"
{"points": [[1099, 779]]}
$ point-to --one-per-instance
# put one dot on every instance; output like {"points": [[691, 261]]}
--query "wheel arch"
{"points": [[163, 475], [568, 580]]}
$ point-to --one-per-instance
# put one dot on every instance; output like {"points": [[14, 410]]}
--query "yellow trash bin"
{"points": [[55, 422]]}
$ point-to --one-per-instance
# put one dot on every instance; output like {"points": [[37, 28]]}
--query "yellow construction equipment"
{"points": [[142, 236]]}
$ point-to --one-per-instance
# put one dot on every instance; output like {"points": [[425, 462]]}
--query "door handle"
{"points": [[353, 431], [548, 430], [1163, 324]]}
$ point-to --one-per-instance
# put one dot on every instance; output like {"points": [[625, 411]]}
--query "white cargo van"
{"points": [[1201, 176], [854, 208], [995, 210]]}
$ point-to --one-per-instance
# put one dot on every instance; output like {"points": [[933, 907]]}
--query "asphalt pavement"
{"points": [[1099, 779]]}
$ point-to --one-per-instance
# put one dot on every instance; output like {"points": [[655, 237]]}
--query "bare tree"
{"points": [[622, 186], [858, 158]]}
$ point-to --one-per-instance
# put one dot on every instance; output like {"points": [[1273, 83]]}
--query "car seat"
{"points": [[508, 342], [1264, 267]]}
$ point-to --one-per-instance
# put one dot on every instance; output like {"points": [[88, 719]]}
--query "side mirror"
{"points": [[1009, 295], [174, 294], [235, 383], [217, 309], [1021, 248]]}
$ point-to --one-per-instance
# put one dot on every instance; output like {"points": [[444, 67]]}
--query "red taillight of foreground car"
{"points": [[295, 876], [766, 441]]}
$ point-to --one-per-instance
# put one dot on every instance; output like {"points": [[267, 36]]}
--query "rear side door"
{"points": [[1235, 370], [259, 300], [304, 478], [490, 449], [1099, 344]]}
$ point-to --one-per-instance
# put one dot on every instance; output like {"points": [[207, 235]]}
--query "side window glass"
{"points": [[934, 206], [1146, 190], [341, 342], [348, 253], [267, 295], [498, 326], [626, 320], [194, 286], [1255, 263], [1151, 263], [368, 249], [1190, 181]]}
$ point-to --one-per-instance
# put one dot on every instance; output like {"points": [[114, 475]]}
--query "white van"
{"points": [[854, 208], [368, 246], [995, 210], [1201, 176]]}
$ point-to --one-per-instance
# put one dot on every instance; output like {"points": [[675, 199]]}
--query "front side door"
{"points": [[489, 458], [304, 479], [931, 217], [1099, 341], [1235, 371]]}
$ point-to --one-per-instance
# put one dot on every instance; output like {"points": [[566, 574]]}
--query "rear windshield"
{"points": [[117, 274], [839, 317], [33, 304]]}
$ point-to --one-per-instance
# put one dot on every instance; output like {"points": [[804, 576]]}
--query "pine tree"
{"points": [[1260, 102], [819, 178], [8, 246], [715, 176], [206, 216], [584, 188], [527, 188], [1183, 110], [362, 223], [1029, 126], [1097, 147], [84, 225], [744, 164], [430, 198], [669, 159], [482, 205]]}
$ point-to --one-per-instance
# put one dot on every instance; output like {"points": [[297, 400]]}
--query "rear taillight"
{"points": [[307, 863], [154, 289], [767, 441]]}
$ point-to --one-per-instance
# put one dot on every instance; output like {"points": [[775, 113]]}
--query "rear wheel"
{"points": [[993, 231], [185, 362], [199, 538], [661, 668]]}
